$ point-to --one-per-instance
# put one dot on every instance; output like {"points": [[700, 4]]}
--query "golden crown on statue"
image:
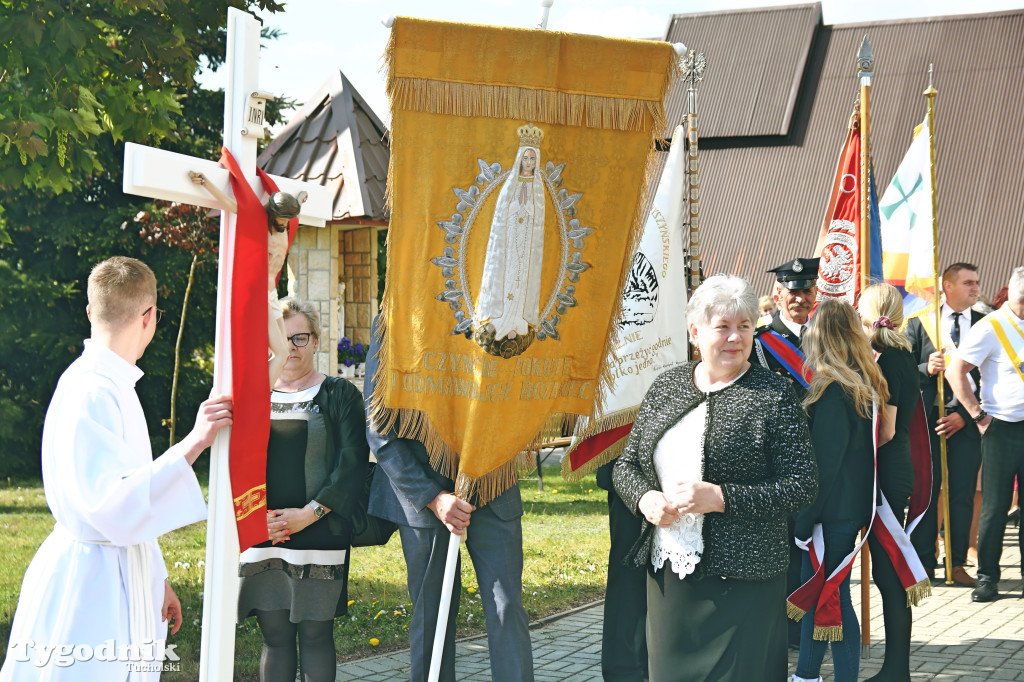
{"points": [[529, 135]]}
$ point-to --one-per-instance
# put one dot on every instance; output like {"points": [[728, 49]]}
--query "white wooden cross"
{"points": [[165, 175]]}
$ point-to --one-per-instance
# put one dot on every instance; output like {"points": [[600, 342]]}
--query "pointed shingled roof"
{"points": [[336, 139]]}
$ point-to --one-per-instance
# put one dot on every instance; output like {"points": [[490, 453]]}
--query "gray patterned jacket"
{"points": [[757, 447]]}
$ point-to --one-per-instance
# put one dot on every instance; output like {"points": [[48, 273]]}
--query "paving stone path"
{"points": [[953, 639]]}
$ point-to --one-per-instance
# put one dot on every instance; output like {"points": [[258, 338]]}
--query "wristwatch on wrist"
{"points": [[318, 511], [978, 417]]}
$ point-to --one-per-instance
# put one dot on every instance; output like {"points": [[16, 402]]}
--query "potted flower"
{"points": [[350, 357]]}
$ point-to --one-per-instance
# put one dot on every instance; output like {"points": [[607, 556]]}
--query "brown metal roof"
{"points": [[760, 89], [336, 140], [763, 197]]}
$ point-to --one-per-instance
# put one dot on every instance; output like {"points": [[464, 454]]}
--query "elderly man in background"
{"points": [[995, 346], [777, 342]]}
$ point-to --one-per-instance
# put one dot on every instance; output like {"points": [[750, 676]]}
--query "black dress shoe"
{"points": [[985, 591]]}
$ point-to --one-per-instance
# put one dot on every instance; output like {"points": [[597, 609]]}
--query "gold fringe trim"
{"points": [[829, 634], [592, 427], [795, 612], [609, 455], [919, 592], [533, 104], [474, 100]]}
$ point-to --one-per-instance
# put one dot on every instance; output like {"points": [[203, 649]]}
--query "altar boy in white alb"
{"points": [[95, 602]]}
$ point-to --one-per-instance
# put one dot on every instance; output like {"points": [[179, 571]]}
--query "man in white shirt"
{"points": [[996, 347], [95, 602], [963, 444]]}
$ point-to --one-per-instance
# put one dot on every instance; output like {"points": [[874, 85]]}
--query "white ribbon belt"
{"points": [[140, 588]]}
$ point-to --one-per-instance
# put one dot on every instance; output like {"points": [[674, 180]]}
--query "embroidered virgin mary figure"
{"points": [[509, 302]]}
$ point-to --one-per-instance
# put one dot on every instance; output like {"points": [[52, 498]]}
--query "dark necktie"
{"points": [[955, 335]]}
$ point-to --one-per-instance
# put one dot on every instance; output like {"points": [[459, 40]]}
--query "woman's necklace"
{"points": [[302, 382], [704, 383]]}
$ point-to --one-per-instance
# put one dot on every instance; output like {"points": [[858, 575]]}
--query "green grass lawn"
{"points": [[565, 548]]}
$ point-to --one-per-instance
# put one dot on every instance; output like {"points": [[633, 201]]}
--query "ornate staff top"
{"points": [[931, 91], [692, 66], [865, 60]]}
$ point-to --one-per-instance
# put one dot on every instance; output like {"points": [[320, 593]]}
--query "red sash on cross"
{"points": [[250, 382]]}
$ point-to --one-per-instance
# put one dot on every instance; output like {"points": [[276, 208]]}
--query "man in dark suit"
{"points": [[963, 443], [777, 348], [794, 295], [420, 500]]}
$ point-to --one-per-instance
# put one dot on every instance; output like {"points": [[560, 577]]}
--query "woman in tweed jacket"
{"points": [[719, 456]]}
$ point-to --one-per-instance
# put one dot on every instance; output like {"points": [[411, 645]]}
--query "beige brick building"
{"points": [[336, 140]]}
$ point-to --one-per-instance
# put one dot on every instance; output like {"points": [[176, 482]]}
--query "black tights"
{"points": [[316, 646], [895, 613]]}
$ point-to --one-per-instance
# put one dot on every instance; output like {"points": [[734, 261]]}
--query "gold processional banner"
{"points": [[519, 161]]}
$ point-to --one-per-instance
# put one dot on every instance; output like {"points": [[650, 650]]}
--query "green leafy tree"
{"points": [[61, 223], [73, 72]]}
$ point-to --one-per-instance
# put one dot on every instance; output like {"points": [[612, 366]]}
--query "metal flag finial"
{"points": [[865, 60], [931, 91], [692, 66]]}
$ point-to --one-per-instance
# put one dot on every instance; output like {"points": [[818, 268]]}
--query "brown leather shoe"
{"points": [[961, 577], [930, 573]]}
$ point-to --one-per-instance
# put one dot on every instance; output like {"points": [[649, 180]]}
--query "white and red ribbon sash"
{"points": [[895, 541], [821, 593], [894, 538]]}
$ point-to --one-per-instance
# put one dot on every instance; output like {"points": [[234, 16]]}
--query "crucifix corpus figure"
{"points": [[251, 254], [281, 208]]}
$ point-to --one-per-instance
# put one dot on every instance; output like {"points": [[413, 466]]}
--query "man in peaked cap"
{"points": [[777, 348]]}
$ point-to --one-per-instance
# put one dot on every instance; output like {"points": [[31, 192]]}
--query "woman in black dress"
{"points": [[881, 311], [718, 457], [296, 582]]}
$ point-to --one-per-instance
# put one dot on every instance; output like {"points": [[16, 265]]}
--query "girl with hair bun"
{"points": [[881, 313]]}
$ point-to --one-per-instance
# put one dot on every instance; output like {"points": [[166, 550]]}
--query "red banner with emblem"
{"points": [[839, 240]]}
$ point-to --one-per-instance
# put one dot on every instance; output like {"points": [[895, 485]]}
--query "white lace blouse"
{"points": [[679, 456]]}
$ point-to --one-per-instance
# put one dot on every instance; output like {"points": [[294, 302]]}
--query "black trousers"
{"points": [[624, 638], [963, 457], [1002, 449], [896, 613]]}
